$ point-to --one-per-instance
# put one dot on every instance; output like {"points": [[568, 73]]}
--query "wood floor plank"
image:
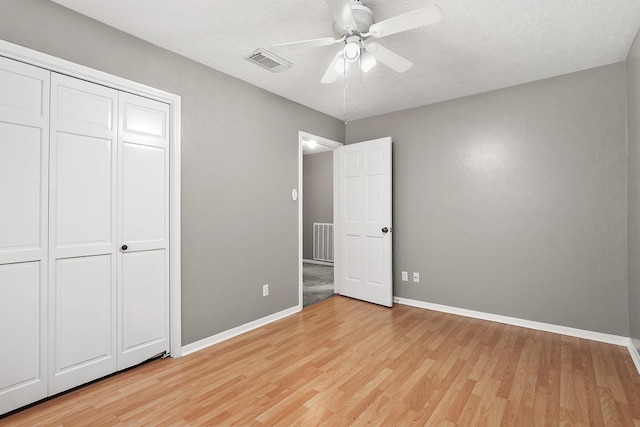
{"points": [[530, 379], [594, 412], [540, 406], [344, 362], [470, 409]]}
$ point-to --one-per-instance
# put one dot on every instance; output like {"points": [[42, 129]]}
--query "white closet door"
{"points": [[82, 313], [143, 230], [24, 153]]}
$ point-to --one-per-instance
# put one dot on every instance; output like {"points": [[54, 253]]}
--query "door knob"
{"points": [[124, 247], [385, 229]]}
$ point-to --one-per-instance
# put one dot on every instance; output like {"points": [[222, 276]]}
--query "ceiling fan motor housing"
{"points": [[363, 16]]}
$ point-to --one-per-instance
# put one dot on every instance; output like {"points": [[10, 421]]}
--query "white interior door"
{"points": [[362, 205], [143, 230], [82, 312], [24, 156]]}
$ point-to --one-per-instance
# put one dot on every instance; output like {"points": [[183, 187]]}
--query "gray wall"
{"points": [[513, 202], [239, 165], [633, 189], [317, 196]]}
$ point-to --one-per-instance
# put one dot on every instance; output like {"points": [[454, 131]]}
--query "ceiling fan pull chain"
{"points": [[344, 102]]}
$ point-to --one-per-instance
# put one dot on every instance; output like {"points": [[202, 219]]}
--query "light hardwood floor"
{"points": [[344, 362]]}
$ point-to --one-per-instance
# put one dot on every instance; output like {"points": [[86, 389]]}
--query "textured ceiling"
{"points": [[479, 45]]}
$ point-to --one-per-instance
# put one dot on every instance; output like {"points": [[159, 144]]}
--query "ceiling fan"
{"points": [[354, 24]]}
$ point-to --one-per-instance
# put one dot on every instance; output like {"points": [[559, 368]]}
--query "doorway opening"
{"points": [[315, 218]]}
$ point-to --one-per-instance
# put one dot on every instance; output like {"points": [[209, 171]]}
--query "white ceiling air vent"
{"points": [[268, 60]]}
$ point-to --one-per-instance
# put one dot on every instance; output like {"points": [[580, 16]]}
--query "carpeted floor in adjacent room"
{"points": [[317, 283]]}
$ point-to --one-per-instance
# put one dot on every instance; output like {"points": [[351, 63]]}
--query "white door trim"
{"points": [[327, 143], [52, 63]]}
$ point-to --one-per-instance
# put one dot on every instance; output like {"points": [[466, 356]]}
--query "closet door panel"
{"points": [[145, 119], [86, 108], [143, 197], [21, 172], [83, 188], [83, 314], [21, 319], [144, 295], [143, 226], [25, 93], [24, 171], [19, 322], [82, 303]]}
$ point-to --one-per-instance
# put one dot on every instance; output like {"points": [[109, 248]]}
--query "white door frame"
{"points": [[42, 60], [302, 136]]}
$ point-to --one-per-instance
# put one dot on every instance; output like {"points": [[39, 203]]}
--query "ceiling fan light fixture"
{"points": [[352, 51], [341, 65], [367, 62]]}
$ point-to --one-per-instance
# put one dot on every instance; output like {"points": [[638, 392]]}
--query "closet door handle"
{"points": [[124, 247]]}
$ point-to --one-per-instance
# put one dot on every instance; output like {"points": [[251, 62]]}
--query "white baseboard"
{"points": [[313, 261], [633, 352], [547, 327], [223, 336]]}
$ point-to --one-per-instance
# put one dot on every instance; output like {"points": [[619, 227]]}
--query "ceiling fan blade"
{"points": [[325, 41], [331, 75], [342, 13], [389, 58], [407, 21]]}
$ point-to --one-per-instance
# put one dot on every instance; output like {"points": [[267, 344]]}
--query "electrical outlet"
{"points": [[265, 290], [405, 276], [416, 277]]}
